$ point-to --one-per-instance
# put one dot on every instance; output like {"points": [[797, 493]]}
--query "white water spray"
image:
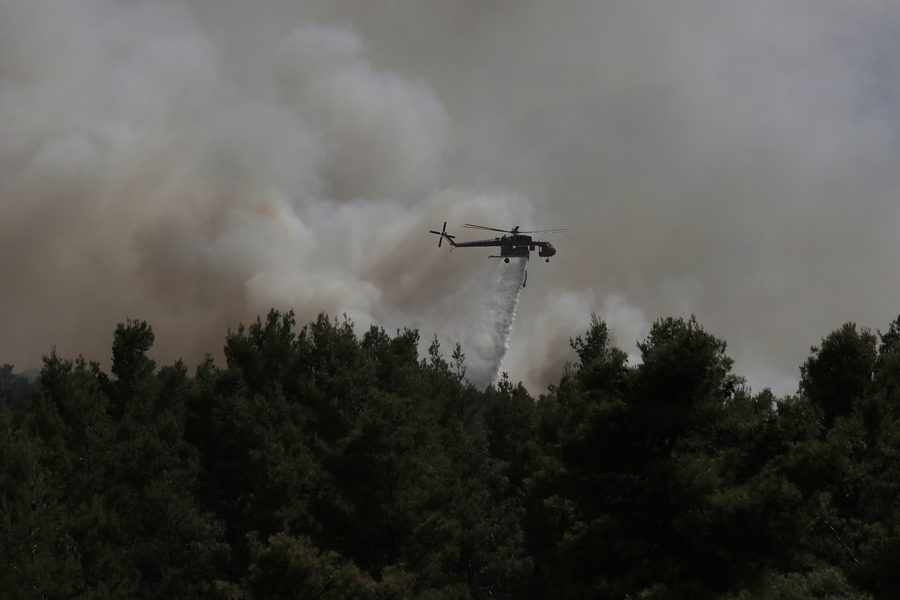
{"points": [[484, 321]]}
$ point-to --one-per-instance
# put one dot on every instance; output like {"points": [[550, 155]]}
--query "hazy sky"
{"points": [[195, 163]]}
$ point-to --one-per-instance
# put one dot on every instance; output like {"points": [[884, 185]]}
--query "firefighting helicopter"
{"points": [[515, 245]]}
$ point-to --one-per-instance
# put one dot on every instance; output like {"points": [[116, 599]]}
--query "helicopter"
{"points": [[515, 245]]}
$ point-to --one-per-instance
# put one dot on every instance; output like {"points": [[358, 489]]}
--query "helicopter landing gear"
{"points": [[506, 260]]}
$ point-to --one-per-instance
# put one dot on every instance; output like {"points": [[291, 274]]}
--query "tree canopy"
{"points": [[320, 463]]}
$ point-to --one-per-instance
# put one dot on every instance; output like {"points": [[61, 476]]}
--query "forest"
{"points": [[320, 463]]}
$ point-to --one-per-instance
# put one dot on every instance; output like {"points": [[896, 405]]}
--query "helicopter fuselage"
{"points": [[518, 245], [513, 245]]}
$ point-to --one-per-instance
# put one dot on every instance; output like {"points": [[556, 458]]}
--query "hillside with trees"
{"points": [[321, 463]]}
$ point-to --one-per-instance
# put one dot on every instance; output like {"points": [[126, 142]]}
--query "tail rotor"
{"points": [[443, 233]]}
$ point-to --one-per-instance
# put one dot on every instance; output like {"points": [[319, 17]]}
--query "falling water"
{"points": [[484, 319]]}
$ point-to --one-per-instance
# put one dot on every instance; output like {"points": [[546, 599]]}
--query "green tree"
{"points": [[256, 425], [39, 558], [658, 493], [114, 478], [839, 373], [14, 388], [846, 465], [291, 567]]}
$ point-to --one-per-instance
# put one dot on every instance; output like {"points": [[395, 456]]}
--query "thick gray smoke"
{"points": [[196, 162]]}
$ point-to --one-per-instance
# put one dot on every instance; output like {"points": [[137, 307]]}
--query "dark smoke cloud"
{"points": [[195, 163]]}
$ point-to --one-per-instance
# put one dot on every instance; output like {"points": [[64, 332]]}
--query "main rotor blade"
{"points": [[513, 230], [470, 226]]}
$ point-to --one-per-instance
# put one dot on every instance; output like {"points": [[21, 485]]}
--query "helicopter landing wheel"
{"points": [[548, 260], [506, 260]]}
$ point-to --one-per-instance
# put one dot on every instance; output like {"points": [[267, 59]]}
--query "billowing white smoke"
{"points": [[141, 177], [196, 162], [544, 344], [627, 324]]}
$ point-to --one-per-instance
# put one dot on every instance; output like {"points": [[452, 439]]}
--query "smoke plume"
{"points": [[194, 163]]}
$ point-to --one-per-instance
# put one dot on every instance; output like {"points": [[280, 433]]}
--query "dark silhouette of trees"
{"points": [[14, 387], [318, 463]]}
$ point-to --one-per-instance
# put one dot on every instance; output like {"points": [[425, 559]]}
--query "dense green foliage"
{"points": [[321, 464]]}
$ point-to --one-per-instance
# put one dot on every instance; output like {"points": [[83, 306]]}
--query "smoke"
{"points": [[197, 162], [627, 324], [545, 344]]}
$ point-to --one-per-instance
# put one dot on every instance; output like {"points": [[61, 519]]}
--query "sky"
{"points": [[195, 163]]}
